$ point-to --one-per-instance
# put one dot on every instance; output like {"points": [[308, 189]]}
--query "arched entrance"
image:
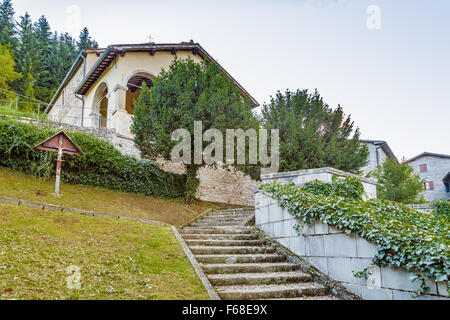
{"points": [[100, 107], [134, 84]]}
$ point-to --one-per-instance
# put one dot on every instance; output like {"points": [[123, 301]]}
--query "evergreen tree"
{"points": [[28, 57], [7, 24], [43, 82], [41, 57], [312, 135], [186, 93], [85, 41], [60, 58]]}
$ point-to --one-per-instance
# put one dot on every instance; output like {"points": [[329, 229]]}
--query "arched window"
{"points": [[134, 88], [100, 107]]}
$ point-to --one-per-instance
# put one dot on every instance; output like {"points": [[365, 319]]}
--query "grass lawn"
{"points": [[18, 185], [117, 259]]}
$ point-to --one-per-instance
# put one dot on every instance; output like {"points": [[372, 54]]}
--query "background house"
{"points": [[379, 151], [435, 169]]}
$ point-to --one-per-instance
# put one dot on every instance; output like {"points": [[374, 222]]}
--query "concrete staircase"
{"points": [[240, 266]]}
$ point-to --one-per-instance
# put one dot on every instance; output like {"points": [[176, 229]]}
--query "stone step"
{"points": [[216, 230], [230, 215], [233, 211], [230, 250], [248, 267], [217, 243], [272, 291], [220, 219], [239, 258], [220, 236], [308, 298], [259, 278], [217, 223]]}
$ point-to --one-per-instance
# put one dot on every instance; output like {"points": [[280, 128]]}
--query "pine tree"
{"points": [[43, 37], [61, 56], [7, 24], [28, 57], [312, 135], [85, 41]]}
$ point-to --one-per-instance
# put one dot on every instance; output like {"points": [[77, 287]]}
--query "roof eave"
{"points": [[143, 47]]}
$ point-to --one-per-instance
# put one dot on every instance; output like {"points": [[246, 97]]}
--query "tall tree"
{"points": [[43, 37], [29, 56], [7, 24], [61, 56], [398, 182], [313, 135], [186, 93], [85, 41], [7, 73]]}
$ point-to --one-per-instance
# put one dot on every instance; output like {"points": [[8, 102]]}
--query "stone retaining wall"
{"points": [[337, 254]]}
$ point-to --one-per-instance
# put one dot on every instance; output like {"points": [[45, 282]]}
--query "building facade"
{"points": [[99, 93], [102, 85], [379, 151], [434, 168]]}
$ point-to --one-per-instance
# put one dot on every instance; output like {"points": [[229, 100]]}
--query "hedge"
{"points": [[406, 238], [101, 165]]}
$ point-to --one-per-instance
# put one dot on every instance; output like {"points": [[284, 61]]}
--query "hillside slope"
{"points": [[116, 259]]}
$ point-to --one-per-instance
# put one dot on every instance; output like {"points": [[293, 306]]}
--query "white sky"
{"points": [[394, 81]]}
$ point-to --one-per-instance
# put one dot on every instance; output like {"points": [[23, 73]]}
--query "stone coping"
{"points": [[315, 171]]}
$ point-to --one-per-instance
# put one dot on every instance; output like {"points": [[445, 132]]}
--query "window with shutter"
{"points": [[431, 185], [423, 167]]}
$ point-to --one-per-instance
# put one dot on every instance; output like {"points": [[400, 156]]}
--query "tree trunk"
{"points": [[191, 183]]}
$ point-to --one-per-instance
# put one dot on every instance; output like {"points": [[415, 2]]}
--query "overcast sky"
{"points": [[386, 62]]}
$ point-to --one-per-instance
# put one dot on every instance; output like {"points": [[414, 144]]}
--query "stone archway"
{"points": [[100, 106], [133, 83]]}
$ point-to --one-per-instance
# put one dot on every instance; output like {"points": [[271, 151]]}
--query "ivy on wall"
{"points": [[442, 208], [406, 238], [101, 165]]}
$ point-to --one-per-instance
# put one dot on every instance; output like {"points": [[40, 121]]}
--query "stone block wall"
{"points": [[337, 254]]}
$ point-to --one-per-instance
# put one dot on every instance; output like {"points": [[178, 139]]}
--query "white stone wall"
{"points": [[337, 254]]}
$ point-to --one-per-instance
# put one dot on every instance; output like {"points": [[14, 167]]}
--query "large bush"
{"points": [[398, 182], [312, 134], [101, 165], [406, 238], [186, 93]]}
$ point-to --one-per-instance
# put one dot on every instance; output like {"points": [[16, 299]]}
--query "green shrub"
{"points": [[101, 165], [406, 238], [442, 208]]}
